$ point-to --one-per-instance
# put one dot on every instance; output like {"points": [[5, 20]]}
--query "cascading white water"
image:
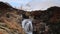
{"points": [[27, 26]]}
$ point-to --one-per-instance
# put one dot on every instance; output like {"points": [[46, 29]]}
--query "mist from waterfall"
{"points": [[27, 26]]}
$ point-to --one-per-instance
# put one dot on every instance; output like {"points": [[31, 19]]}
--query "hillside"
{"points": [[8, 20]]}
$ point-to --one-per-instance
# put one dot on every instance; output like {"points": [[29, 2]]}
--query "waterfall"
{"points": [[27, 26]]}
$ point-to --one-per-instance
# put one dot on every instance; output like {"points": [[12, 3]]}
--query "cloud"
{"points": [[16, 3], [44, 4], [33, 4]]}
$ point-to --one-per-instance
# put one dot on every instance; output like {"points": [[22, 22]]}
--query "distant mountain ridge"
{"points": [[4, 5]]}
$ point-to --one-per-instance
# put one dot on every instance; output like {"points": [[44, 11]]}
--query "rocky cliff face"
{"points": [[51, 18]]}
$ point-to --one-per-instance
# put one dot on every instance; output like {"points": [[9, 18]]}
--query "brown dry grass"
{"points": [[13, 25]]}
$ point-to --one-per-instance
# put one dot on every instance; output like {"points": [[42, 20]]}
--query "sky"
{"points": [[33, 4]]}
